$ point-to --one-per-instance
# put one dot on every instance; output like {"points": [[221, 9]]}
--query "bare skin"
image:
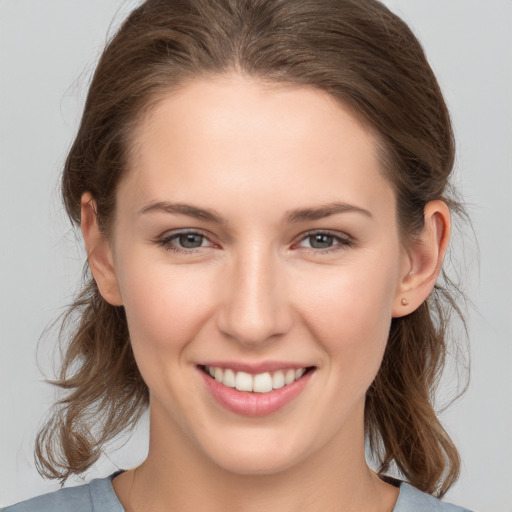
{"points": [[255, 226]]}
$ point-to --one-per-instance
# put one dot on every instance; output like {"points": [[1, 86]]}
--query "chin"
{"points": [[257, 453], [256, 462]]}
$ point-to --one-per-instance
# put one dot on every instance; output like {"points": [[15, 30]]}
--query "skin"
{"points": [[258, 289]]}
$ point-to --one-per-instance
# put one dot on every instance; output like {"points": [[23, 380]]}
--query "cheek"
{"points": [[165, 305], [349, 312]]}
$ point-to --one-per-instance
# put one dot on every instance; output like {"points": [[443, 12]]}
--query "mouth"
{"points": [[262, 383]]}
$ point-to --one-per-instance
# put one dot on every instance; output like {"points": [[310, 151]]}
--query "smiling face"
{"points": [[255, 235]]}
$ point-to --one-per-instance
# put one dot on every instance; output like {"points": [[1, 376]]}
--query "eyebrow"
{"points": [[292, 217], [183, 209], [320, 212]]}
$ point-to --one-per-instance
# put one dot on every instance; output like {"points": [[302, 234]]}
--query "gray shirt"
{"points": [[99, 496]]}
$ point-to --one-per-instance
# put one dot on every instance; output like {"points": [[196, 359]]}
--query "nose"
{"points": [[255, 306]]}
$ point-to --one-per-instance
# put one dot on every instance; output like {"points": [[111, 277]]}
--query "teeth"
{"points": [[229, 378], [243, 381], [289, 377], [278, 379], [260, 383]]}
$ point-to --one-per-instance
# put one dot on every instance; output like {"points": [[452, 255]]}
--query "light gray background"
{"points": [[47, 51]]}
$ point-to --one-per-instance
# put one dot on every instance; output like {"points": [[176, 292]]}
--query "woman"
{"points": [[262, 192]]}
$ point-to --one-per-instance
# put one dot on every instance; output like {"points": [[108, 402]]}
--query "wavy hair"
{"points": [[364, 56]]}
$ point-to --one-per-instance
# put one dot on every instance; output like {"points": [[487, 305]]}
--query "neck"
{"points": [[176, 476]]}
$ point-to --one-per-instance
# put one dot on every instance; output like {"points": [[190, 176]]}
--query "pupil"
{"points": [[321, 241], [191, 241]]}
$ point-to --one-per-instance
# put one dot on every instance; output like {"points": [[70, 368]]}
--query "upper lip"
{"points": [[255, 368]]}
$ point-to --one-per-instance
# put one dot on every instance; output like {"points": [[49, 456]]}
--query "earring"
{"points": [[404, 302]]}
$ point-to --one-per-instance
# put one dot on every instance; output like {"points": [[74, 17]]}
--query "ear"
{"points": [[424, 259], [99, 252]]}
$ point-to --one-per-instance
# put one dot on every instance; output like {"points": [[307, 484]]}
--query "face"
{"points": [[256, 240]]}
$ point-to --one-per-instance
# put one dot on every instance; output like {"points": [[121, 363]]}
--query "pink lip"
{"points": [[254, 368], [254, 404]]}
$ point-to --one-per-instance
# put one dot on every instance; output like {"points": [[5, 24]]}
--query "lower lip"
{"points": [[255, 404]]}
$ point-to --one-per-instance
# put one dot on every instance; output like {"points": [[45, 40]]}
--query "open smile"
{"points": [[255, 394], [259, 383]]}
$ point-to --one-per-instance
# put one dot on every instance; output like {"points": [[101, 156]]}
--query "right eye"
{"points": [[184, 242]]}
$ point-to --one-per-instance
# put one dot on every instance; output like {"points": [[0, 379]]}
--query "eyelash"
{"points": [[341, 242]]}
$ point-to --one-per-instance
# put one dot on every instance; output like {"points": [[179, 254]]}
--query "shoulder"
{"points": [[96, 496], [411, 499]]}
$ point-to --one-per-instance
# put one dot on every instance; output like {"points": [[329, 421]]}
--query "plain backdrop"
{"points": [[47, 52]]}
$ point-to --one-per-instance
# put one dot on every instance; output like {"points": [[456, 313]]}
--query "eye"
{"points": [[320, 241], [324, 241], [190, 240], [184, 241]]}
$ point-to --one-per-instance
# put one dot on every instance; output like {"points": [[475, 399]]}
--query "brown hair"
{"points": [[361, 54]]}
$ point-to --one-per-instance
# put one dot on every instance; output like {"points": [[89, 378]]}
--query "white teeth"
{"points": [[243, 381], [262, 383], [229, 378], [278, 379], [289, 377], [259, 383]]}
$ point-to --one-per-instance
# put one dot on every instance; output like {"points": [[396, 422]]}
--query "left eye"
{"points": [[323, 241]]}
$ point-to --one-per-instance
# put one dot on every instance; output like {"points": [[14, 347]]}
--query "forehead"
{"points": [[240, 134]]}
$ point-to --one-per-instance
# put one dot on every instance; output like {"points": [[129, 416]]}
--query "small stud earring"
{"points": [[405, 302]]}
